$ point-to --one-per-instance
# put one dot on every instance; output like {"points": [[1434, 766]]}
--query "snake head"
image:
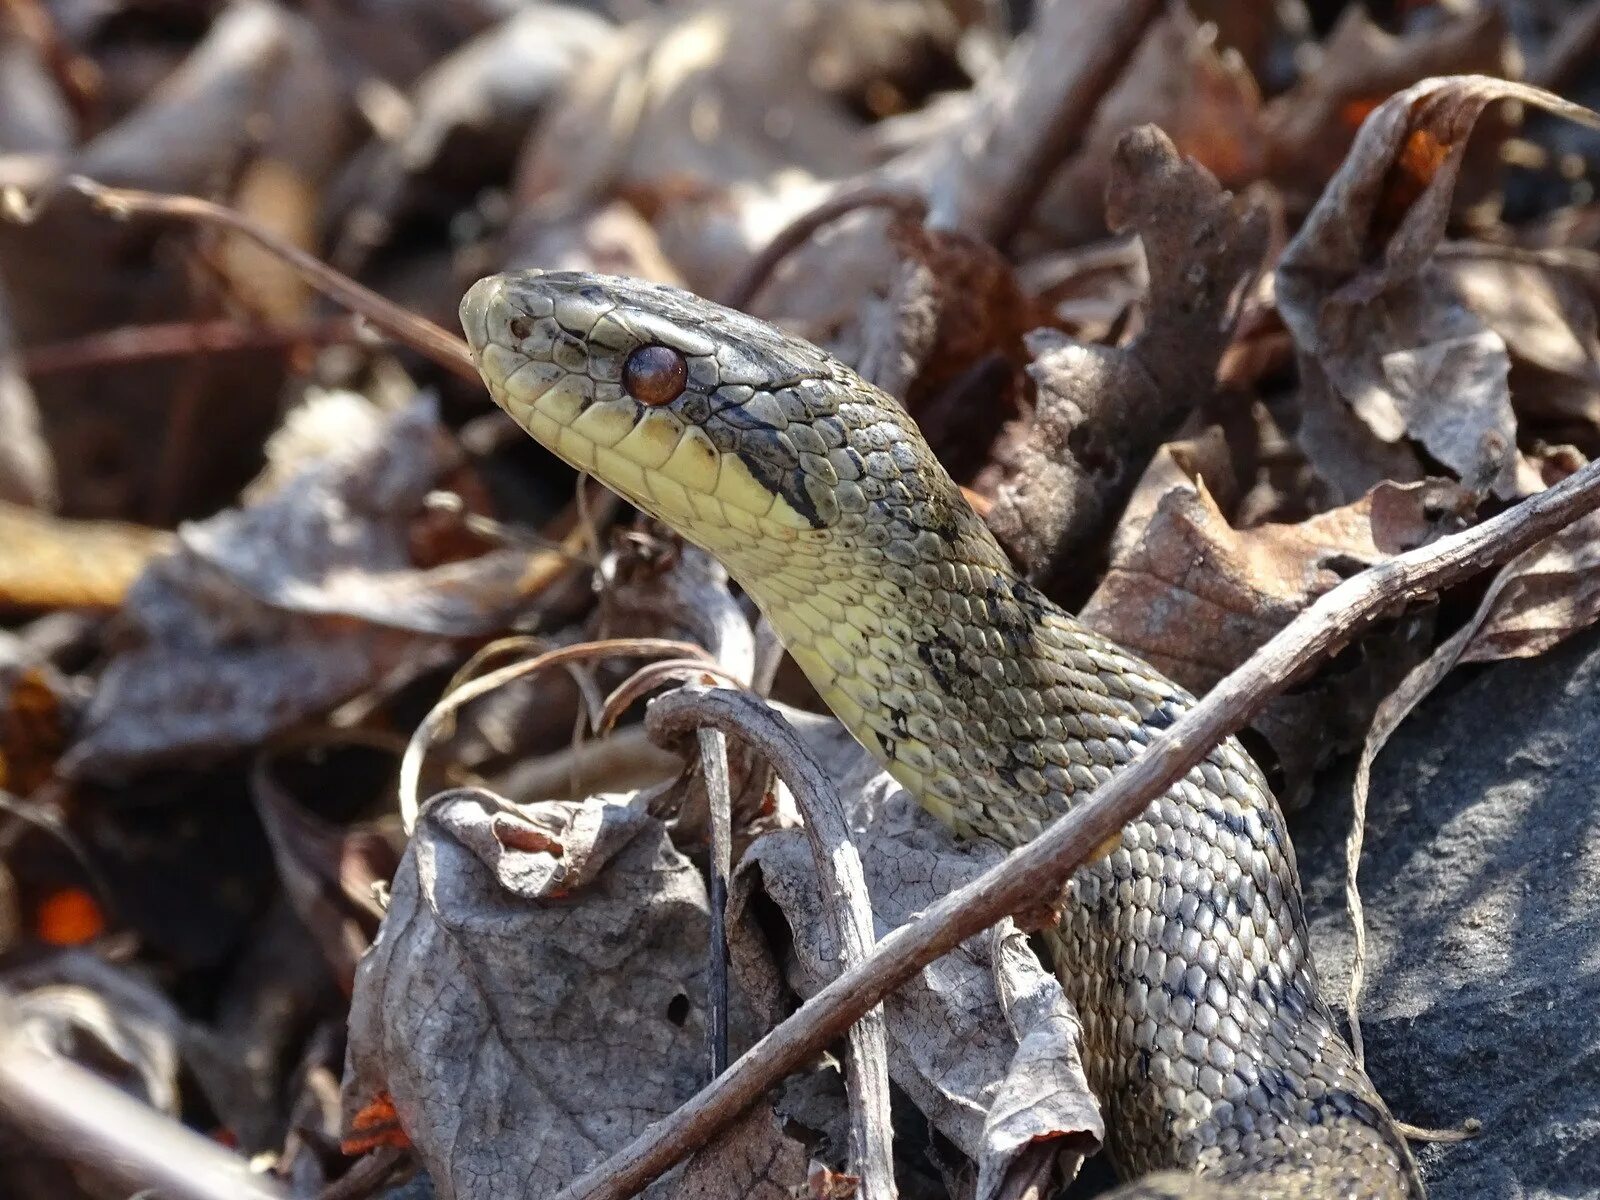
{"points": [[710, 420]]}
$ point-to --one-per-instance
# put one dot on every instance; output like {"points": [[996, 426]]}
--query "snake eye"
{"points": [[655, 375]]}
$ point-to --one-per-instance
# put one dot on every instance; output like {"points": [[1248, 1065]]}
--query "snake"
{"points": [[1183, 945]]}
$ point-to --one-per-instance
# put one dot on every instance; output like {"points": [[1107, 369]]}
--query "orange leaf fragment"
{"points": [[377, 1124], [69, 917]]}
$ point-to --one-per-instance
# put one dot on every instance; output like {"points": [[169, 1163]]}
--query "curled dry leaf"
{"points": [[524, 1012], [111, 1019], [1196, 597], [1375, 316], [269, 614], [983, 1041], [1548, 321], [1307, 131], [1102, 411]]}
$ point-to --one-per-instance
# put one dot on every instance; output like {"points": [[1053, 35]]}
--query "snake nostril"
{"points": [[521, 328]]}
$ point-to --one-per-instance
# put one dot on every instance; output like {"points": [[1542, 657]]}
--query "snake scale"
{"points": [[1184, 948]]}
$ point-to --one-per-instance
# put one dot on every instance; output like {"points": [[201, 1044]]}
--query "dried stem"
{"points": [[74, 1113], [422, 335], [791, 237], [176, 339], [1041, 867], [845, 904], [1069, 64], [444, 711], [719, 799]]}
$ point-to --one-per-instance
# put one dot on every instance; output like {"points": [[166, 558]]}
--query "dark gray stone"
{"points": [[1481, 880]]}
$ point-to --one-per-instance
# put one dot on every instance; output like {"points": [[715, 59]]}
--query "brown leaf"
{"points": [[1195, 597], [1102, 411], [34, 723], [952, 345], [52, 562], [1548, 322], [1179, 80], [1308, 130], [1543, 596], [1371, 312], [568, 992]]}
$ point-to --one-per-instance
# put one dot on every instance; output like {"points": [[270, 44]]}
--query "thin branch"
{"points": [[75, 1114], [792, 236], [176, 339], [443, 712], [369, 1176], [1069, 63], [422, 335], [719, 799], [1043, 866], [845, 904], [618, 762]]}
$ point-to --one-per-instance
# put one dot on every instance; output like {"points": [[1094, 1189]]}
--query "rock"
{"points": [[1481, 881]]}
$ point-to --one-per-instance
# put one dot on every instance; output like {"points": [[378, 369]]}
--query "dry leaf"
{"points": [[1370, 310], [527, 1012], [467, 117], [1102, 411], [1195, 597], [35, 717], [983, 1040], [1547, 320], [1178, 80], [948, 341], [754, 1159], [1543, 596], [328, 872], [75, 1005], [1308, 129], [52, 562], [270, 614], [680, 103]]}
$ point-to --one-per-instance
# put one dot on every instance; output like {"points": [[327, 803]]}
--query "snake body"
{"points": [[1184, 948]]}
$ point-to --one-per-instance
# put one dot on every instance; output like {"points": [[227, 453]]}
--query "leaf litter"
{"points": [[1209, 310]]}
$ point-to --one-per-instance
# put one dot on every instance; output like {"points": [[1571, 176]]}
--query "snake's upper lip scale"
{"points": [[476, 306]]}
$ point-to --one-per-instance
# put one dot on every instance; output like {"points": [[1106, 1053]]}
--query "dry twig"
{"points": [[88, 1121], [422, 335], [845, 901]]}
